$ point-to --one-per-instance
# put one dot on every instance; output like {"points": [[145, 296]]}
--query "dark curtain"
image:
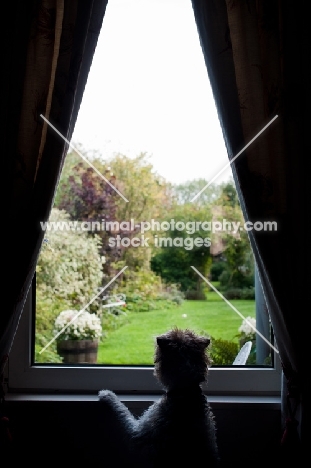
{"points": [[48, 50], [257, 55]]}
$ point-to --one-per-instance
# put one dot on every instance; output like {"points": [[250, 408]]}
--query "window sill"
{"points": [[218, 402]]}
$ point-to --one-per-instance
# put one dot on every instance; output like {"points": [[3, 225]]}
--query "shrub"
{"points": [[217, 269], [144, 290], [240, 293], [195, 295], [224, 278], [248, 293], [233, 293], [171, 292], [69, 265], [47, 310], [223, 352], [112, 321]]}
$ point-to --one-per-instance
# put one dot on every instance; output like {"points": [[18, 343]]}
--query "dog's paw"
{"points": [[113, 405], [110, 399], [107, 395], [104, 393]]}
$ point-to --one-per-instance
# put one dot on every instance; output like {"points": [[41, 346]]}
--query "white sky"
{"points": [[148, 91]]}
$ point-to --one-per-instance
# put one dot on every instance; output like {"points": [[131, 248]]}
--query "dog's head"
{"points": [[181, 358]]}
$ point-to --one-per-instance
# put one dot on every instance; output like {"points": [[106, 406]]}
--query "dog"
{"points": [[179, 429]]}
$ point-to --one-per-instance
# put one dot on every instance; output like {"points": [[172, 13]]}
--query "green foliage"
{"points": [[228, 196], [111, 320], [87, 197], [113, 313], [69, 265], [171, 292], [149, 197], [185, 192], [148, 193], [240, 293], [223, 352], [144, 291], [235, 270], [240, 264], [47, 309], [216, 270], [196, 294], [49, 355], [238, 272], [173, 263], [251, 360]]}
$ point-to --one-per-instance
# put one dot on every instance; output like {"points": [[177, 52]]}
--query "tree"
{"points": [[87, 197], [237, 253], [149, 197], [185, 192], [228, 196], [184, 248]]}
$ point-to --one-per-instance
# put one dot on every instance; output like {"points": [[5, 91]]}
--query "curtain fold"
{"points": [[256, 54], [50, 46]]}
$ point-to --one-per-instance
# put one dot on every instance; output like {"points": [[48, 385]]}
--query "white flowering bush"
{"points": [[246, 329], [77, 326], [70, 266]]}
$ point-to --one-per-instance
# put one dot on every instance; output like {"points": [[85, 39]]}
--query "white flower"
{"points": [[248, 326], [74, 325]]}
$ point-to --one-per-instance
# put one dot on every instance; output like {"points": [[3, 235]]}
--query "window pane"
{"points": [[141, 241]]}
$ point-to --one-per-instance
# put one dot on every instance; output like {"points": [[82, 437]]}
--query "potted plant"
{"points": [[77, 335]]}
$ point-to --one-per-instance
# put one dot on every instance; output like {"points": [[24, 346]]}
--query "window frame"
{"points": [[23, 376], [55, 378]]}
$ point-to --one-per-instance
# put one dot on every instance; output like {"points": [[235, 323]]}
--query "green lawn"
{"points": [[133, 342]]}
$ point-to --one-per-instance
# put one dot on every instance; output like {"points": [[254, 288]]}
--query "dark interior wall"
{"points": [[79, 432]]}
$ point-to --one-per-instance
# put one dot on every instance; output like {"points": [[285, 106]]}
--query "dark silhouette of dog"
{"points": [[179, 429]]}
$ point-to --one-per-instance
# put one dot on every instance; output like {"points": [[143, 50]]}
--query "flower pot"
{"points": [[78, 351]]}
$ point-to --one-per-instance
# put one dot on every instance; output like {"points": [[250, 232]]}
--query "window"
{"points": [[27, 372], [54, 378]]}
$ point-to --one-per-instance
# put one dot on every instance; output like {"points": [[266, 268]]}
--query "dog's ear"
{"points": [[163, 341], [205, 342]]}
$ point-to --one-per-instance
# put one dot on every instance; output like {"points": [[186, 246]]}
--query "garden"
{"points": [[100, 300]]}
